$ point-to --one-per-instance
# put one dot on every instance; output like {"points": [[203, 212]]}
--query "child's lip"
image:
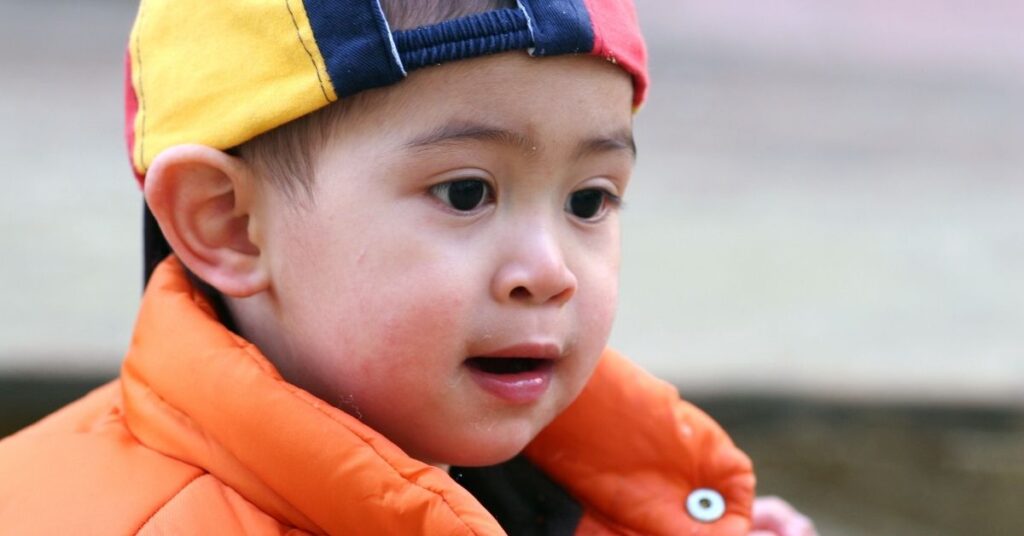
{"points": [[534, 350]]}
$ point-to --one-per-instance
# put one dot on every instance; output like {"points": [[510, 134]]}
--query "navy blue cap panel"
{"points": [[475, 35], [559, 26], [355, 42]]}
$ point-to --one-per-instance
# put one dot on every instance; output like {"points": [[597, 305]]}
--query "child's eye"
{"points": [[464, 195], [590, 203]]}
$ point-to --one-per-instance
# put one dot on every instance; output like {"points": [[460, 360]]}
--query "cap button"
{"points": [[705, 505]]}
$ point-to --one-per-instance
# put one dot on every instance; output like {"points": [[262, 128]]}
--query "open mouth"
{"points": [[508, 365], [511, 376]]}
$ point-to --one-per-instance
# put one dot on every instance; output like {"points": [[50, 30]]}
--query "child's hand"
{"points": [[775, 517]]}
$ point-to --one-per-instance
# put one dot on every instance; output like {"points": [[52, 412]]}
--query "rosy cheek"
{"points": [[424, 322], [419, 324]]}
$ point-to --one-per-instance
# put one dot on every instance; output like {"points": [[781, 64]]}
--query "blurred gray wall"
{"points": [[827, 201]]}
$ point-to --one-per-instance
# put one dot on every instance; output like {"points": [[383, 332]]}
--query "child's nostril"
{"points": [[520, 293]]}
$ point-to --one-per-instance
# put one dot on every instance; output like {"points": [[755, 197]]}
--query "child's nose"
{"points": [[534, 271]]}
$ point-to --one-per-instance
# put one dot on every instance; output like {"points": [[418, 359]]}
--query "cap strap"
{"points": [[475, 35]]}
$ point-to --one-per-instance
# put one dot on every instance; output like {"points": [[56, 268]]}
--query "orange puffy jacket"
{"points": [[200, 435]]}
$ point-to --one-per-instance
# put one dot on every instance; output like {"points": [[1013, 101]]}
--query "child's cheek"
{"points": [[411, 316], [423, 322]]}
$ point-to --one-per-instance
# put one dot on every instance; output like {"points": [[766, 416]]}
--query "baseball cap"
{"points": [[220, 73]]}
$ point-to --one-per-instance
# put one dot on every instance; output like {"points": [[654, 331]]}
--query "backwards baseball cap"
{"points": [[219, 73]]}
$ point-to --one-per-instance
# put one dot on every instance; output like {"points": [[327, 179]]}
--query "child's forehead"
{"points": [[509, 99], [500, 88]]}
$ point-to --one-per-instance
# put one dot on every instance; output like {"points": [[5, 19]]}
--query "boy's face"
{"points": [[462, 218]]}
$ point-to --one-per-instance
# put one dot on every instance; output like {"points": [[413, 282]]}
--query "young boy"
{"points": [[385, 314]]}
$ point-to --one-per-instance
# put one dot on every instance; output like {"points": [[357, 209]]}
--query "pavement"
{"points": [[827, 201]]}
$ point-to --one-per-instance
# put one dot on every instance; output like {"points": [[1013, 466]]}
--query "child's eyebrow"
{"points": [[621, 140], [472, 131]]}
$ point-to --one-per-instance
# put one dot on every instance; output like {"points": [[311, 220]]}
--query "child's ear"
{"points": [[202, 197]]}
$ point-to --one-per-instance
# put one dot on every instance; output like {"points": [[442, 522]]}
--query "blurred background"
{"points": [[824, 240]]}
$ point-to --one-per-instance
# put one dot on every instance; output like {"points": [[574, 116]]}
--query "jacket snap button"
{"points": [[705, 505]]}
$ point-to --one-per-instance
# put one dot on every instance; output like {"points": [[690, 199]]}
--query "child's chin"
{"points": [[479, 451], [483, 459]]}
